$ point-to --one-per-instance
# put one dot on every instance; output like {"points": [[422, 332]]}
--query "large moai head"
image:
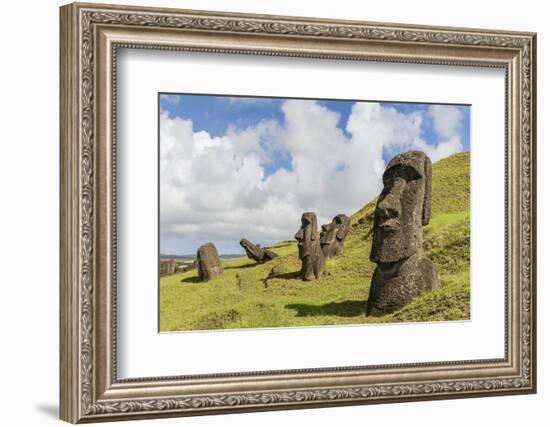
{"points": [[403, 207], [333, 235], [208, 262], [309, 247]]}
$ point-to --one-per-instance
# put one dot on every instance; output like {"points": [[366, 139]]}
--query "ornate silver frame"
{"points": [[90, 35]]}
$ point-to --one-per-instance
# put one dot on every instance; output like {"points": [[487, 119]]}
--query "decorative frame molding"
{"points": [[90, 36]]}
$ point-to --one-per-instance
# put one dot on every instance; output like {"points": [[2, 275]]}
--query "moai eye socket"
{"points": [[406, 172]]}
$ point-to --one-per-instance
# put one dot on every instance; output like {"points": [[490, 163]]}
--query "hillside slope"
{"points": [[240, 299]]}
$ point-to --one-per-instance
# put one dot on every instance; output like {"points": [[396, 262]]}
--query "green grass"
{"points": [[239, 298]]}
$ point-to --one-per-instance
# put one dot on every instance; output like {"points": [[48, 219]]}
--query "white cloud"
{"points": [[447, 124], [216, 188], [447, 120], [441, 150], [171, 99]]}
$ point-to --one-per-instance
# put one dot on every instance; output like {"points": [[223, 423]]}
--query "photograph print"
{"points": [[284, 212]]}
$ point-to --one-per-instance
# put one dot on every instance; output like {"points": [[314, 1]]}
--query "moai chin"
{"points": [[403, 207], [309, 248], [256, 252], [208, 262], [333, 235]]}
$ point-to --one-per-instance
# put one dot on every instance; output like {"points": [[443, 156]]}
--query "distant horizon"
{"points": [[168, 256], [234, 167]]}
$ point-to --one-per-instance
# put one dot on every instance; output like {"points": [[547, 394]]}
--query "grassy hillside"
{"points": [[240, 298]]}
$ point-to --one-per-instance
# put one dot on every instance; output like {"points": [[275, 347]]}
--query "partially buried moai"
{"points": [[256, 252], [333, 235], [309, 248], [208, 262], [404, 206]]}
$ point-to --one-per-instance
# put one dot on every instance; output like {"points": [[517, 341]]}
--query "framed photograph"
{"points": [[267, 212]]}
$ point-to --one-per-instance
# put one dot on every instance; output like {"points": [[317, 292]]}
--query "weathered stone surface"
{"points": [[396, 284], [208, 262], [309, 248], [167, 267], [333, 235], [256, 252], [269, 255], [404, 206]]}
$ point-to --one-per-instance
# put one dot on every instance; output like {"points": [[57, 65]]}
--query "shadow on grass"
{"points": [[193, 279], [232, 267], [286, 276], [348, 308]]}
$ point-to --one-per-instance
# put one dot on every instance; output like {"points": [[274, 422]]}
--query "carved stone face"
{"points": [[333, 235], [307, 235], [309, 248], [251, 249], [403, 207]]}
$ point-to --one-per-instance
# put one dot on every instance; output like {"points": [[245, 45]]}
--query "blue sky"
{"points": [[232, 165]]}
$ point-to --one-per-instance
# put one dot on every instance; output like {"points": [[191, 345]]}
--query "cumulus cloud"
{"points": [[447, 120], [170, 99], [219, 189]]}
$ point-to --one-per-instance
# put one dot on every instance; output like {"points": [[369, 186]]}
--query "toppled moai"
{"points": [[309, 248], [208, 262], [403, 207], [333, 235], [256, 252]]}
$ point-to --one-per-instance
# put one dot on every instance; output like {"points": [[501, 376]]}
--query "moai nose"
{"points": [[390, 205]]}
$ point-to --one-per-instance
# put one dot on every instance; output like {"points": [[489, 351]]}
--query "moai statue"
{"points": [[404, 206], [208, 262], [333, 235], [256, 252], [167, 267], [309, 248]]}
